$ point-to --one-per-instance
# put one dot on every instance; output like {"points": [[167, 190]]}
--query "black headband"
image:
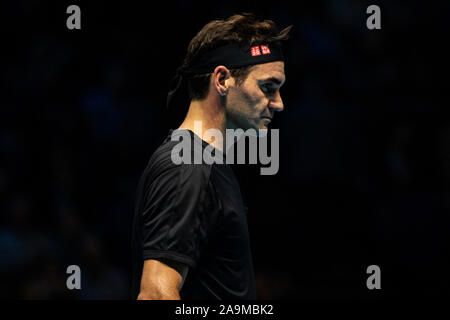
{"points": [[230, 55]]}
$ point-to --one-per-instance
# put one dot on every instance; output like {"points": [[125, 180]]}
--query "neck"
{"points": [[206, 114]]}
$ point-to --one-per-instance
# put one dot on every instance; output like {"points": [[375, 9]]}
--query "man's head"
{"points": [[250, 94]]}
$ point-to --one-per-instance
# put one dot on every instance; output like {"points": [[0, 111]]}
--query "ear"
{"points": [[220, 74]]}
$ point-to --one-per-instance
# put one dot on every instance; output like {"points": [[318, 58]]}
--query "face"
{"points": [[253, 103]]}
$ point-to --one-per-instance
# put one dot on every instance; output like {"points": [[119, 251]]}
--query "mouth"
{"points": [[266, 117]]}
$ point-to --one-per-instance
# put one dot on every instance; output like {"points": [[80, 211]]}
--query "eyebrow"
{"points": [[274, 80]]}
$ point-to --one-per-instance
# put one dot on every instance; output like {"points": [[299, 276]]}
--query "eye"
{"points": [[267, 88]]}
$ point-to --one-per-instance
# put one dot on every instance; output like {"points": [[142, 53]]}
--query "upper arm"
{"points": [[161, 281], [177, 214]]}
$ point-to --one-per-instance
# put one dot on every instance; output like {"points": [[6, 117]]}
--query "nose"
{"points": [[276, 103]]}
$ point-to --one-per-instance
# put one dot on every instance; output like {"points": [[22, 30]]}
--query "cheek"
{"points": [[252, 97]]}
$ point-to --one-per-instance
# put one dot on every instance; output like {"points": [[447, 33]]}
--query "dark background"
{"points": [[364, 145]]}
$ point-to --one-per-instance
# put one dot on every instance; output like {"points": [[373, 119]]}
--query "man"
{"points": [[190, 229]]}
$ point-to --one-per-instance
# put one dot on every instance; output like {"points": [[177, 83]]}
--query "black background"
{"points": [[364, 145]]}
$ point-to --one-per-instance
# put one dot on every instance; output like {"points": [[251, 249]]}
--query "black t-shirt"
{"points": [[193, 214]]}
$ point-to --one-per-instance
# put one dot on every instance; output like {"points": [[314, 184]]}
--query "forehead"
{"points": [[268, 70]]}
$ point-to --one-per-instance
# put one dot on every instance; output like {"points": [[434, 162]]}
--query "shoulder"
{"points": [[162, 169]]}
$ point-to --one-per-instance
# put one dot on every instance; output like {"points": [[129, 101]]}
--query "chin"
{"points": [[264, 125], [255, 125], [260, 130]]}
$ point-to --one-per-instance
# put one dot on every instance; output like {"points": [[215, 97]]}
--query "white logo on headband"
{"points": [[256, 50]]}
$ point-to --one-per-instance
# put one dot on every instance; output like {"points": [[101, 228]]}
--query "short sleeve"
{"points": [[179, 212]]}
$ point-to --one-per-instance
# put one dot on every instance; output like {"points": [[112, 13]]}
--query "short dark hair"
{"points": [[239, 28]]}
